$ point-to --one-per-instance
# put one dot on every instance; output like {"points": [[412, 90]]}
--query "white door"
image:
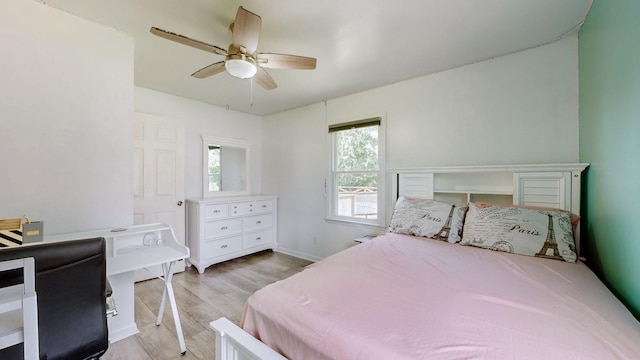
{"points": [[158, 175]]}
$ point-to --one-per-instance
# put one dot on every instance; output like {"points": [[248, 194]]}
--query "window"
{"points": [[357, 177]]}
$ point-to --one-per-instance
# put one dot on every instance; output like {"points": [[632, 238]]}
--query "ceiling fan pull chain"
{"points": [[251, 91], [226, 85]]}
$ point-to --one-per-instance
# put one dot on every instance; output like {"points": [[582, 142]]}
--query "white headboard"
{"points": [[547, 185]]}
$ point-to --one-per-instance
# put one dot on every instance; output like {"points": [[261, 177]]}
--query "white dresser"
{"points": [[220, 229]]}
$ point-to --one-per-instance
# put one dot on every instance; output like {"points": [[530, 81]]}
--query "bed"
{"points": [[417, 292]]}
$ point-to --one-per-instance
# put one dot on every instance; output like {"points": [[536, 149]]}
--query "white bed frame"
{"points": [[550, 185], [233, 343]]}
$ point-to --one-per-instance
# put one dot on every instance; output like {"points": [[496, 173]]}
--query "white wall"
{"points": [[204, 119], [66, 101], [516, 109]]}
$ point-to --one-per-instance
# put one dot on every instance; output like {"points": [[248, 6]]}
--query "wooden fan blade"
{"points": [[210, 70], [188, 41], [265, 80], [284, 61], [246, 30]]}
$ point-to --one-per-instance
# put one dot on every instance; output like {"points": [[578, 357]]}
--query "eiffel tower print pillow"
{"points": [[532, 232], [427, 218]]}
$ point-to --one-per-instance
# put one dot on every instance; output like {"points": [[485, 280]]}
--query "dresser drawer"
{"points": [[214, 248], [241, 208], [262, 206], [257, 238], [215, 211], [214, 229], [257, 222]]}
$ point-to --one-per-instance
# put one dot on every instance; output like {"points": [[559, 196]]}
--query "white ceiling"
{"points": [[359, 44]]}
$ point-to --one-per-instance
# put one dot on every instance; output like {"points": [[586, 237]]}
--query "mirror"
{"points": [[226, 166]]}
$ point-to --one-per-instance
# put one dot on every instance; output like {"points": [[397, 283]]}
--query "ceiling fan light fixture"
{"points": [[240, 66]]}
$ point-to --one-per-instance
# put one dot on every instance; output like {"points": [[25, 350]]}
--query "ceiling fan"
{"points": [[241, 59]]}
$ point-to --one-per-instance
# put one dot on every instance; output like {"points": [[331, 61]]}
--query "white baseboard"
{"points": [[298, 254]]}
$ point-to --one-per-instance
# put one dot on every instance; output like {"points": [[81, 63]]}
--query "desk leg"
{"points": [[168, 291]]}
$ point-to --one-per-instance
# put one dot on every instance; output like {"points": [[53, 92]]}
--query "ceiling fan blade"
{"points": [[188, 41], [265, 80], [284, 61], [210, 70], [246, 30]]}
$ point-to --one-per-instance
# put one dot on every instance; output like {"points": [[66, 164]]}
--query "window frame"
{"points": [[331, 189]]}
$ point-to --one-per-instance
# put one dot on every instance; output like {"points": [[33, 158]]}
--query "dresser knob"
{"points": [[223, 246], [258, 222], [224, 228], [258, 238]]}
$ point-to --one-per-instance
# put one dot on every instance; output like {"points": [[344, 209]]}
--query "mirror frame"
{"points": [[206, 140]]}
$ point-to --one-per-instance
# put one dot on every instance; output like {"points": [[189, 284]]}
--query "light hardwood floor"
{"points": [[220, 291]]}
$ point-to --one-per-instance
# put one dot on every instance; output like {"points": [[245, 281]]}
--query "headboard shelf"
{"points": [[498, 183], [497, 191], [550, 185]]}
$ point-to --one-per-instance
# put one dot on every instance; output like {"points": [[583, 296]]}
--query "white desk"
{"points": [[132, 248]]}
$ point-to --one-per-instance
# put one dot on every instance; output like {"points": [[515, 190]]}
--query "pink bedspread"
{"points": [[403, 297]]}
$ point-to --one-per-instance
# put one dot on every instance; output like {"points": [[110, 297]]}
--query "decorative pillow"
{"points": [[533, 232], [428, 218], [575, 219]]}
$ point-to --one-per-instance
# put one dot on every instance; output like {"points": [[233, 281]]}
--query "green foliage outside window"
{"points": [[357, 150]]}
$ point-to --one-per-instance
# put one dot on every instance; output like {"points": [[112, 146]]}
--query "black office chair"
{"points": [[71, 288]]}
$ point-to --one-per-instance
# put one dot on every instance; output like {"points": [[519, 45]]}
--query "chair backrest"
{"points": [[70, 283]]}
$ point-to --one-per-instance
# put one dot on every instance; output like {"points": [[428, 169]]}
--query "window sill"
{"points": [[355, 222]]}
